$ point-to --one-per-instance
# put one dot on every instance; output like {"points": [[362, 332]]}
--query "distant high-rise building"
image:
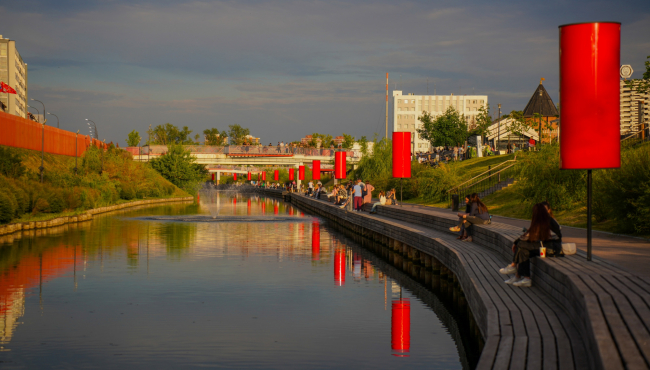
{"points": [[13, 72], [407, 109], [630, 109]]}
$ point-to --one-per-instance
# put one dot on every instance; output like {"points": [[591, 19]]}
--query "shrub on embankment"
{"points": [[620, 196], [103, 179]]}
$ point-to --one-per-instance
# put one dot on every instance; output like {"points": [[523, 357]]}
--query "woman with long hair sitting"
{"points": [[478, 215], [542, 227]]}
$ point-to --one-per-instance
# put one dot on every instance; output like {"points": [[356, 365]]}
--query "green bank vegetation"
{"points": [[621, 197], [104, 178]]}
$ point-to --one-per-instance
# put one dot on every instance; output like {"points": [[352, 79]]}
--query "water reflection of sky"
{"points": [[126, 293]]}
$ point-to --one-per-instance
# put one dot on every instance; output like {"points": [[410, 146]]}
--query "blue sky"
{"points": [[286, 69]]}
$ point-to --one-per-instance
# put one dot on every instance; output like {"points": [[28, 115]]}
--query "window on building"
{"points": [[413, 101], [406, 101]]}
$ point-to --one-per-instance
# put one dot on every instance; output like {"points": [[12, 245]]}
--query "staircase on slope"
{"points": [[488, 182]]}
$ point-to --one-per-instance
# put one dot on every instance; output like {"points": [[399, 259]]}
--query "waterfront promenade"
{"points": [[578, 314]]}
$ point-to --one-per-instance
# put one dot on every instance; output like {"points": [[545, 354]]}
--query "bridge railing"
{"points": [[243, 149]]}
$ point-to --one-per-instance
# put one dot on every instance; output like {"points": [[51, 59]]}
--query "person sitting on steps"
{"points": [[382, 201], [478, 215], [542, 227], [468, 209]]}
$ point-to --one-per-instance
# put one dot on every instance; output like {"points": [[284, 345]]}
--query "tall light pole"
{"points": [[57, 119], [540, 118], [38, 112], [499, 131], [43, 108], [76, 143], [95, 125], [41, 168]]}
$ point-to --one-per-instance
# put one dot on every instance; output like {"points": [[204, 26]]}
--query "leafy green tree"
{"points": [[133, 139], [169, 134], [237, 134], [641, 85], [325, 140], [363, 144], [348, 142], [179, 167], [447, 129], [214, 137], [482, 123]]}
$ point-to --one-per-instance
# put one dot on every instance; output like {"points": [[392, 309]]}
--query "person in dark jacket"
{"points": [[478, 214], [543, 229]]}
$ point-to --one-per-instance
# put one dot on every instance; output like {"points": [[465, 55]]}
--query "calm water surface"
{"points": [[125, 291]]}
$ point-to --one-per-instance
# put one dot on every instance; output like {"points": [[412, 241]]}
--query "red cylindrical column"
{"points": [[249, 176], [339, 165], [590, 56], [276, 175], [315, 241], [402, 154], [213, 177], [301, 173], [234, 177], [291, 174], [315, 172], [339, 267], [401, 327], [264, 176]]}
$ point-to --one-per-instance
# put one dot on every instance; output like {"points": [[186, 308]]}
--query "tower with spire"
{"points": [[541, 104]]}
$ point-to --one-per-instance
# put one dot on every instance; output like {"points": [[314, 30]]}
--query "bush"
{"points": [[11, 162], [624, 194], [56, 201], [41, 205], [542, 180], [127, 192], [7, 209]]}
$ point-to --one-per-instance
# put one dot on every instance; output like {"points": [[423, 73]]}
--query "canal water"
{"points": [[263, 285]]}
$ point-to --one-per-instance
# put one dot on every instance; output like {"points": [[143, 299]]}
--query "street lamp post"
{"points": [[43, 108], [41, 168], [540, 118], [499, 132], [76, 155], [57, 119]]}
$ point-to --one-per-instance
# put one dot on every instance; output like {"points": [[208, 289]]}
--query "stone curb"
{"points": [[86, 216]]}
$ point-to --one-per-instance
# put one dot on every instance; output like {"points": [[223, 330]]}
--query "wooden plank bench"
{"points": [[522, 328]]}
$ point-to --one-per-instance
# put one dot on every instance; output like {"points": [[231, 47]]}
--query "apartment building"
{"points": [[13, 72], [630, 109], [407, 109]]}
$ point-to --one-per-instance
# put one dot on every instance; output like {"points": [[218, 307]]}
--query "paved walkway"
{"points": [[630, 253]]}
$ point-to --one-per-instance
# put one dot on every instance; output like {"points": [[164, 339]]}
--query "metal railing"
{"points": [[244, 149], [641, 135], [485, 183]]}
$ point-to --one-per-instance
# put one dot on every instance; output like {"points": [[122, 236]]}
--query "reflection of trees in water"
{"points": [[177, 237]]}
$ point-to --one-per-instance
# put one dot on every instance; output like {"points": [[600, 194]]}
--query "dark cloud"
{"points": [[286, 68]]}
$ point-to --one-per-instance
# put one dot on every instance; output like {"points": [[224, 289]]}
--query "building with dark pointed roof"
{"points": [[541, 104]]}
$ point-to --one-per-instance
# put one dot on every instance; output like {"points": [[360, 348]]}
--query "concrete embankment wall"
{"points": [[581, 306], [87, 216]]}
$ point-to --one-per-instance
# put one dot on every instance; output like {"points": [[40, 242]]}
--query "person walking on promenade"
{"points": [[382, 201], [543, 228], [455, 153], [368, 197], [358, 199], [478, 215], [311, 187]]}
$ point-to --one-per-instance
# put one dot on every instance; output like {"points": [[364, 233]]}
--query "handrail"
{"points": [[636, 133], [496, 173], [479, 175]]}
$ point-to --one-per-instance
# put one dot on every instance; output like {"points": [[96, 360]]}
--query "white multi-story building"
{"points": [[13, 72], [407, 109], [630, 109]]}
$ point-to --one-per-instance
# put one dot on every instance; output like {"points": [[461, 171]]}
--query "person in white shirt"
{"points": [[311, 187], [382, 201]]}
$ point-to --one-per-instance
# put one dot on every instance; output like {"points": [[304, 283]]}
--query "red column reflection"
{"points": [[234, 206], [339, 267], [315, 241], [401, 327], [249, 206], [275, 208]]}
